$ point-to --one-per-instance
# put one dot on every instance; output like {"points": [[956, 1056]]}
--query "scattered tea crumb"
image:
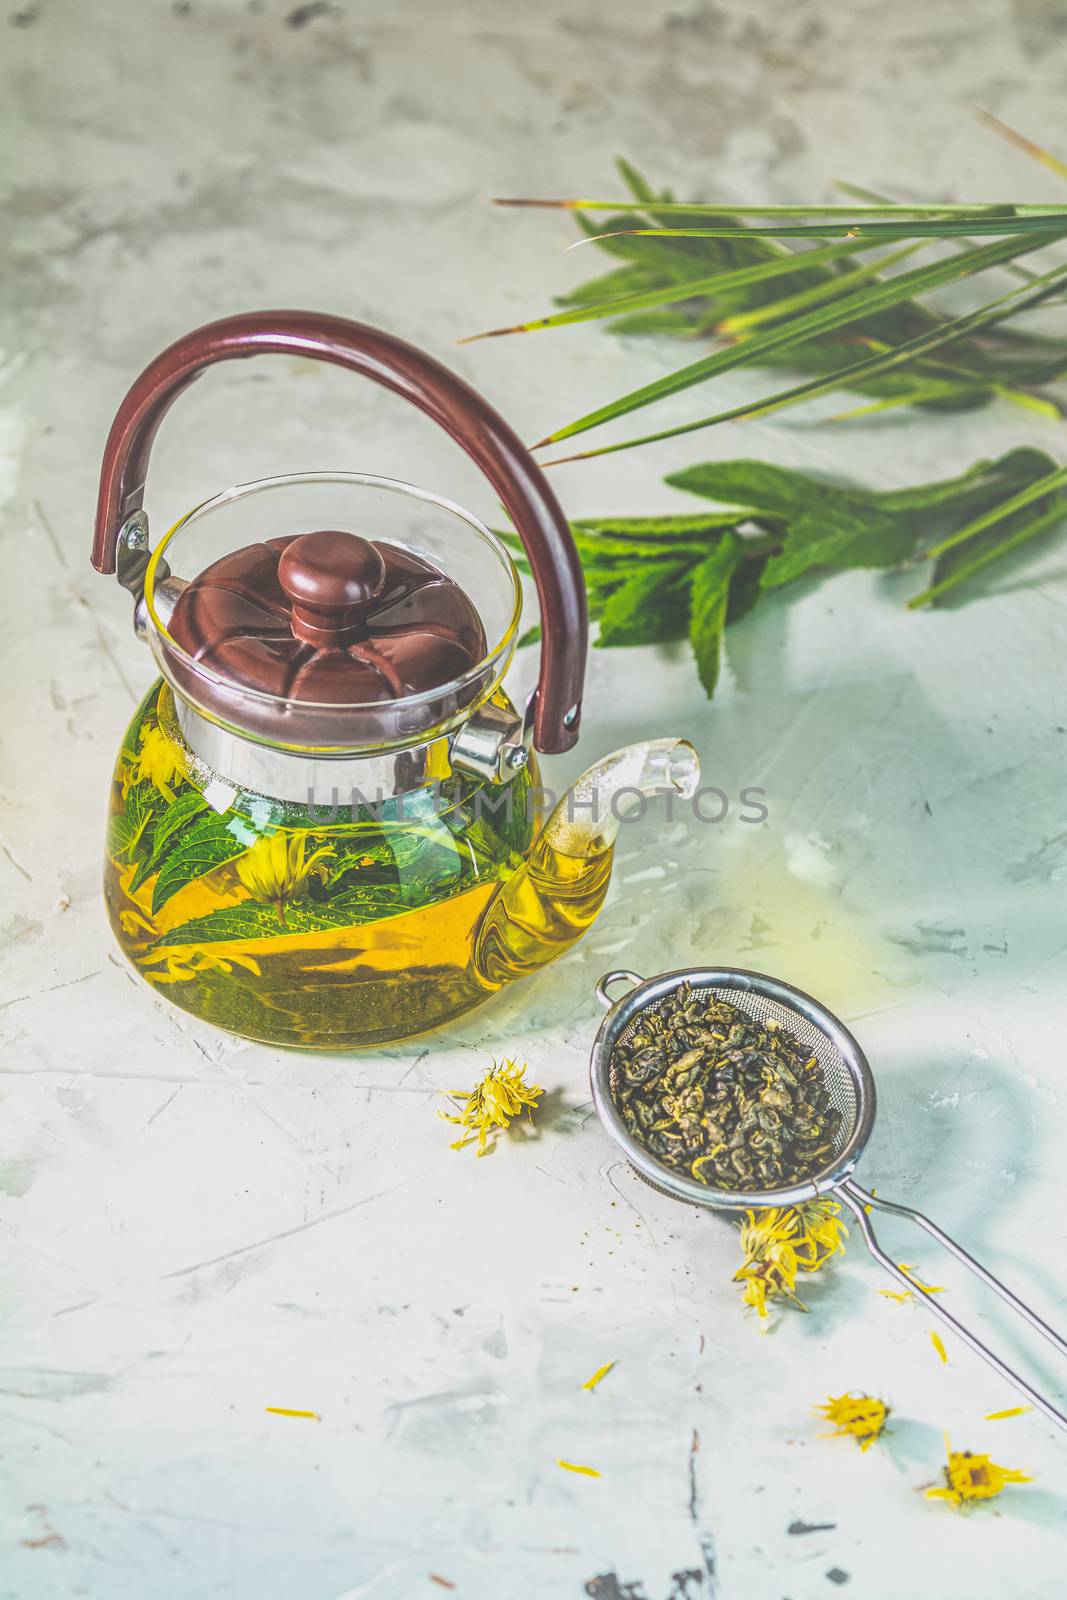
{"points": [[837, 1575], [1012, 1411], [444, 1583], [598, 1375], [938, 1346], [573, 1466], [287, 1411]]}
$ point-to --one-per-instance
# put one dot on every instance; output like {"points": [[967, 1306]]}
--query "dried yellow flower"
{"points": [[785, 1240], [501, 1095], [598, 1375], [969, 1477], [935, 1340], [821, 1233], [861, 1415], [573, 1466]]}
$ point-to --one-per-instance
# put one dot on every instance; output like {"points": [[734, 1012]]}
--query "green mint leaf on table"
{"points": [[669, 527], [650, 607], [840, 539], [758, 488], [709, 604], [745, 586], [652, 579]]}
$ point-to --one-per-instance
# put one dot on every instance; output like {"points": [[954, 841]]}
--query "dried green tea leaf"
{"points": [[722, 1097]]}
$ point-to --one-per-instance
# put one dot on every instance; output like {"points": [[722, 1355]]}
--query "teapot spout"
{"points": [[547, 905]]}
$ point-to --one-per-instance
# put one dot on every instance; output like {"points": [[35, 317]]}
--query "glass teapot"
{"points": [[324, 820]]}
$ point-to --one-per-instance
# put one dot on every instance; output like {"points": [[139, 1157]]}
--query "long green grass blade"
{"points": [[716, 283], [1036, 491], [742, 321], [1049, 409], [1004, 305], [871, 195], [865, 302], [1029, 530], [937, 229], [729, 208], [921, 394], [1021, 142]]}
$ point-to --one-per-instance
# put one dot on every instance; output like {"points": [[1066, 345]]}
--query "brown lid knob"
{"points": [[332, 578]]}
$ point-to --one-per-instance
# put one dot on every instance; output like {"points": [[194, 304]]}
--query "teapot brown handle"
{"points": [[458, 408]]}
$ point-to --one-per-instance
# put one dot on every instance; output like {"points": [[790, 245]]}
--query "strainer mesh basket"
{"points": [[760, 1008]]}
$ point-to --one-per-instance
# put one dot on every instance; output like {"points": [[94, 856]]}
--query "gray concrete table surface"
{"points": [[195, 1228]]}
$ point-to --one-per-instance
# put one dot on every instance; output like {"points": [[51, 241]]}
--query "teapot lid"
{"points": [[357, 608], [328, 617]]}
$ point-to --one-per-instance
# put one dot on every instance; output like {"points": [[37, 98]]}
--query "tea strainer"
{"points": [[850, 1084]]}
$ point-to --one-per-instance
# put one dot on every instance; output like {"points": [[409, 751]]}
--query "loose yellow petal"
{"points": [[601, 1372], [572, 1466], [286, 1411], [1012, 1411], [928, 1288], [894, 1294], [938, 1346]]}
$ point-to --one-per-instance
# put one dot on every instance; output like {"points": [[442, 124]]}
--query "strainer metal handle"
{"points": [[614, 977], [859, 1202]]}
